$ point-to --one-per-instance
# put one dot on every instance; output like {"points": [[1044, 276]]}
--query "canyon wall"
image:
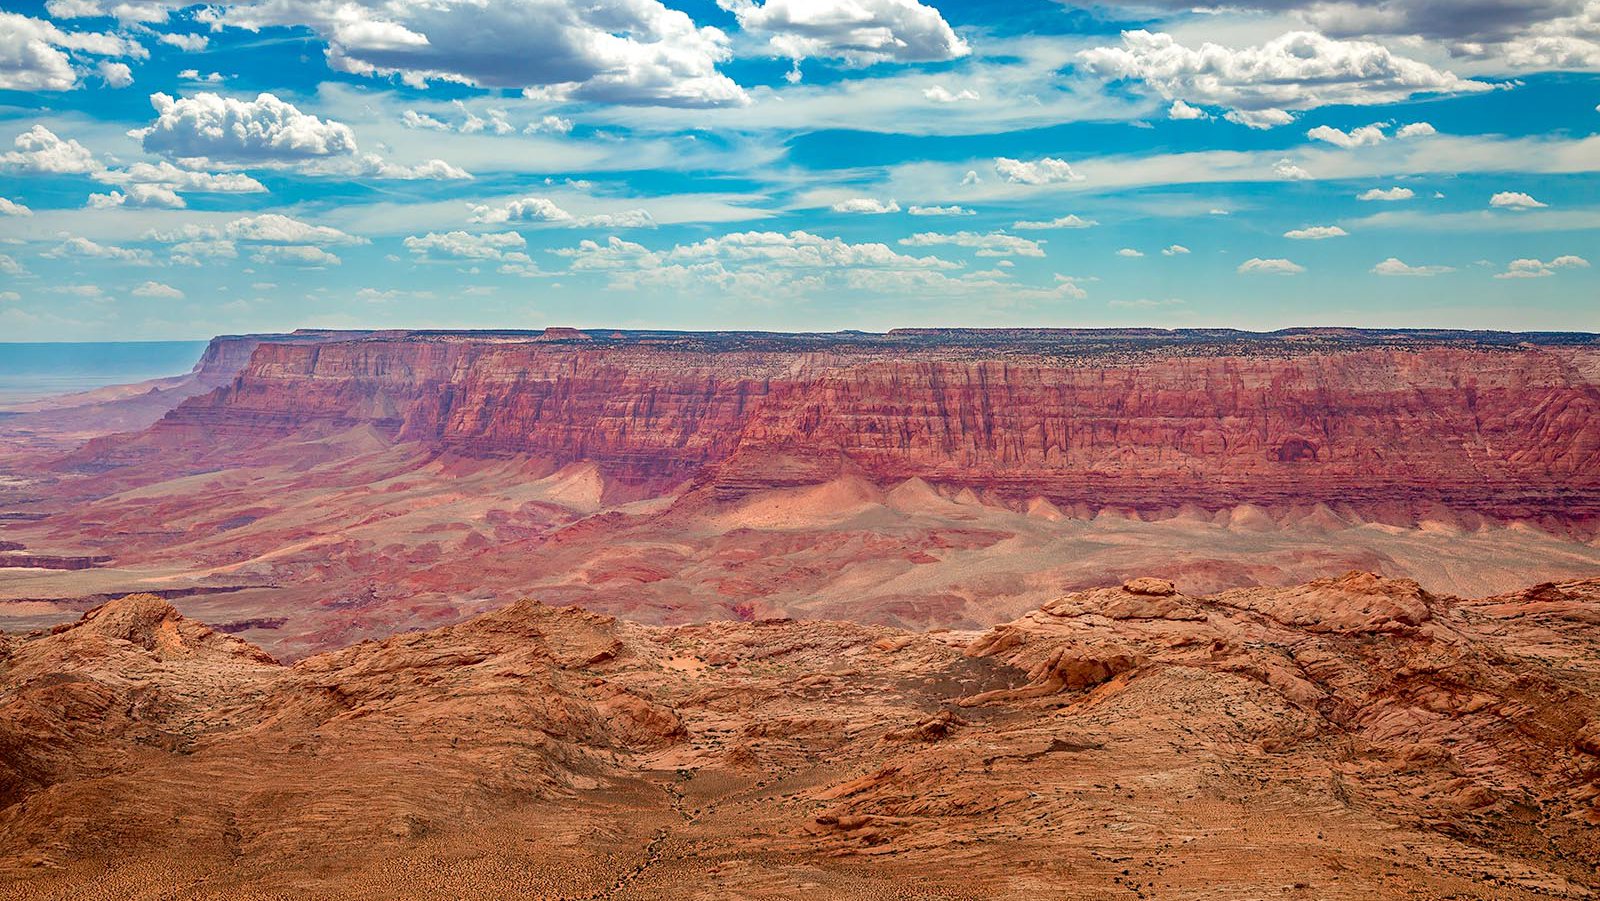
{"points": [[1501, 425]]}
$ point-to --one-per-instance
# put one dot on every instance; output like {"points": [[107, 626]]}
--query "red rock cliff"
{"points": [[1142, 420]]}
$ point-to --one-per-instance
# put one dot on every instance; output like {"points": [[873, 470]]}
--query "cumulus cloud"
{"points": [[608, 51], [138, 195], [1388, 195], [1044, 171], [295, 255], [74, 246], [1176, 250], [1260, 120], [1287, 170], [1539, 269], [1184, 112], [40, 151], [939, 94], [868, 205], [1316, 233], [1358, 137], [460, 245], [115, 75], [36, 55], [413, 119], [275, 228], [265, 130], [1394, 267], [1130, 253], [548, 125], [188, 43], [9, 207], [953, 210], [858, 32], [1416, 130], [992, 244], [1515, 200], [178, 179], [157, 289], [1298, 71], [193, 245], [543, 209], [763, 265], [1258, 266], [268, 131], [1069, 221]]}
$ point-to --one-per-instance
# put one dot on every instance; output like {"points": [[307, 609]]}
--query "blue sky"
{"points": [[172, 171]]}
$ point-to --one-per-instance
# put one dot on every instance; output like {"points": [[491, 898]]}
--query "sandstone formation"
{"points": [[1497, 425], [1352, 738]]}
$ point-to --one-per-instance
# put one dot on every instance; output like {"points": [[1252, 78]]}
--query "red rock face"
{"points": [[1403, 423]]}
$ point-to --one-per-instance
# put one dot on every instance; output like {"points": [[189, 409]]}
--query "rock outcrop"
{"points": [[1353, 738]]}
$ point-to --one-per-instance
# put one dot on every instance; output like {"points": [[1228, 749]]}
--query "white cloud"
{"points": [[274, 237], [178, 179], [1515, 200], [1258, 266], [1364, 136], [295, 255], [413, 119], [1045, 171], [268, 131], [1388, 195], [8, 296], [138, 195], [939, 94], [265, 130], [548, 125], [274, 228], [868, 205], [1130, 253], [74, 246], [1297, 71], [194, 75], [460, 245], [39, 150], [954, 210], [157, 289], [1316, 233], [543, 209], [35, 55], [115, 75], [1417, 130], [1260, 120], [10, 266], [1394, 267], [10, 207], [1069, 221], [993, 244], [1287, 170], [368, 164], [1176, 250], [859, 32], [188, 43], [617, 51], [760, 266], [1539, 269], [524, 209], [1184, 112]]}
